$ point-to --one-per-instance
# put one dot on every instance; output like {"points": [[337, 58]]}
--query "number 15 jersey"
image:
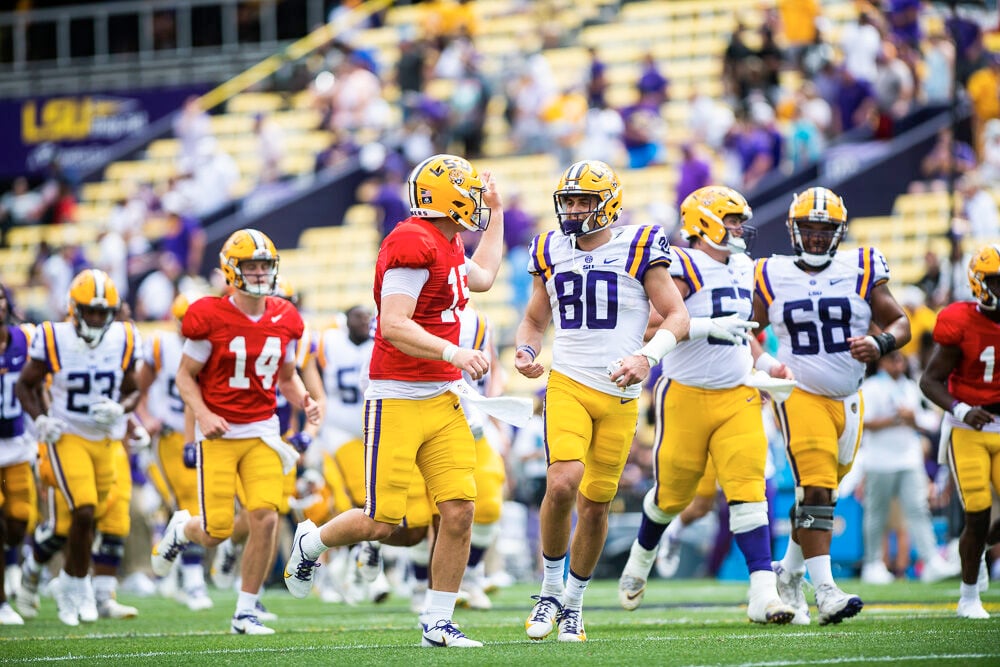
{"points": [[813, 315]]}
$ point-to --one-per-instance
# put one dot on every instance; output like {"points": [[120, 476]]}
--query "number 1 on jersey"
{"points": [[265, 366], [458, 279], [989, 358]]}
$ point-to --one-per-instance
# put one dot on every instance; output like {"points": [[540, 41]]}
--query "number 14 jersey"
{"points": [[813, 315]]}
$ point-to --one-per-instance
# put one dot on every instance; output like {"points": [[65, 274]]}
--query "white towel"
{"points": [[513, 410], [288, 455], [944, 442], [847, 445], [779, 388]]}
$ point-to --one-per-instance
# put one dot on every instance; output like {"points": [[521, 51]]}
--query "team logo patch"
{"points": [[456, 177], [425, 196]]}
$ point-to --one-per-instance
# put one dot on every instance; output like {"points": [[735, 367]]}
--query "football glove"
{"points": [[49, 429], [300, 441], [729, 328], [106, 412], [190, 455]]}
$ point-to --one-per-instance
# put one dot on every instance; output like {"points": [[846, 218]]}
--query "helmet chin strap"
{"points": [[814, 260]]}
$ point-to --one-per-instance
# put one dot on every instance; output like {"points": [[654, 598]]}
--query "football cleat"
{"points": [[299, 569], [368, 556], [571, 625], [763, 609], [418, 593], [983, 579], [197, 599], [262, 613], [972, 609], [11, 579], [938, 569], [543, 616], [668, 559], [877, 573], [26, 600], [445, 634], [248, 624], [112, 608], [791, 593], [86, 603], [631, 591], [834, 605], [8, 616], [66, 601], [170, 545], [223, 571]]}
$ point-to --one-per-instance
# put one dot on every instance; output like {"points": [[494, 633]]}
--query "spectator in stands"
{"points": [[341, 148], [191, 125], [56, 275], [443, 20], [215, 177], [989, 168], [861, 43], [984, 93], [903, 18], [597, 80], [954, 284], [643, 135], [734, 64], [356, 97], [805, 139], [709, 120], [938, 69], [979, 209], [855, 105], [652, 84], [183, 238], [410, 73], [602, 136], [467, 108], [270, 148], [528, 93], [947, 158], [518, 230], [695, 172], [932, 279], [922, 318], [798, 25], [19, 206], [389, 199], [63, 209], [769, 57], [111, 256], [894, 90], [565, 119], [156, 292]]}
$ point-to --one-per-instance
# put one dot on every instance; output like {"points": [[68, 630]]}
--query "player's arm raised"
{"points": [[485, 262]]}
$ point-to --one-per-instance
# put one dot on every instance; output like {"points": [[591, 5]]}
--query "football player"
{"points": [[704, 406], [821, 304], [962, 377], [18, 496], [422, 282], [91, 359], [239, 350], [597, 283]]}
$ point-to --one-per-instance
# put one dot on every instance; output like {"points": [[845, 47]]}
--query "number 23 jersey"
{"points": [[238, 379], [599, 304], [813, 315]]}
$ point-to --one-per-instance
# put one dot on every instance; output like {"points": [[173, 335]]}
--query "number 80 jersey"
{"points": [[599, 304], [813, 315]]}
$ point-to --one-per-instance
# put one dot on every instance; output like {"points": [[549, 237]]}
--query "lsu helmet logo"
{"points": [[456, 177]]}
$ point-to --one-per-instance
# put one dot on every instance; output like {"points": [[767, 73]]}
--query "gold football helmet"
{"points": [[588, 177], [448, 186], [703, 215], [286, 291], [246, 245], [180, 306], [93, 304], [984, 276], [817, 245]]}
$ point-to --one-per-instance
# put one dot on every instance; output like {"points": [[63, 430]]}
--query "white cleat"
{"points": [[631, 591], [417, 596], [196, 599], [11, 580], [972, 609], [543, 617], [223, 571], [170, 545], [27, 599], [299, 569], [571, 625], [791, 593], [66, 604], [113, 609], [938, 569], [668, 558], [8, 616], [248, 624], [445, 634], [263, 614], [834, 605], [772, 610], [877, 574], [368, 556], [472, 596], [86, 603]]}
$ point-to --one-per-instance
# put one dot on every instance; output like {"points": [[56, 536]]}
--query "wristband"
{"points": [[766, 363], [449, 352], [959, 410], [662, 342], [886, 343], [527, 348]]}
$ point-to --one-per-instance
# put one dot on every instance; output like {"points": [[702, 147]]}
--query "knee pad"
{"points": [[744, 517], [653, 511], [108, 549], [815, 517], [482, 534]]}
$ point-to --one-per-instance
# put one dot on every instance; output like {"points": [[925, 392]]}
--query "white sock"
{"points": [[438, 606], [552, 583], [312, 545], [794, 561], [763, 582], [819, 570], [246, 603], [573, 595], [192, 576], [968, 592], [640, 560]]}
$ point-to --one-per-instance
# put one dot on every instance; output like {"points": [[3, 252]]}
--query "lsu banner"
{"points": [[78, 129]]}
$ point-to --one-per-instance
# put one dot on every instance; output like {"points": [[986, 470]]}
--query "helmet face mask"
{"points": [[448, 186], [984, 277], [93, 305], [817, 223], [714, 214], [250, 253], [597, 181]]}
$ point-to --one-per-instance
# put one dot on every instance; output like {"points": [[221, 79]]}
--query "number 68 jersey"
{"points": [[82, 375], [813, 315], [599, 304]]}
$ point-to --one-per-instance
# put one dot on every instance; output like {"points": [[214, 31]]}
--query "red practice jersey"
{"points": [[238, 379], [417, 244], [976, 381]]}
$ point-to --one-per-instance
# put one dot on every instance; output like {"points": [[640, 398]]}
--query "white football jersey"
{"points": [[813, 315], [83, 375], [341, 363], [162, 351], [599, 305], [716, 289]]}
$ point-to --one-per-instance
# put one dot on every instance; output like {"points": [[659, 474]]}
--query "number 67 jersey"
{"points": [[813, 315]]}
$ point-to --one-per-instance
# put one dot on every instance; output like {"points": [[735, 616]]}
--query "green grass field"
{"points": [[681, 623]]}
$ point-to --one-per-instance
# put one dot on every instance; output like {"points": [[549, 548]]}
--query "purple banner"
{"points": [[79, 129]]}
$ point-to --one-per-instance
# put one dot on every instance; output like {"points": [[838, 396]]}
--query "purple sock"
{"points": [[756, 548], [476, 555], [10, 556], [420, 572], [650, 533]]}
